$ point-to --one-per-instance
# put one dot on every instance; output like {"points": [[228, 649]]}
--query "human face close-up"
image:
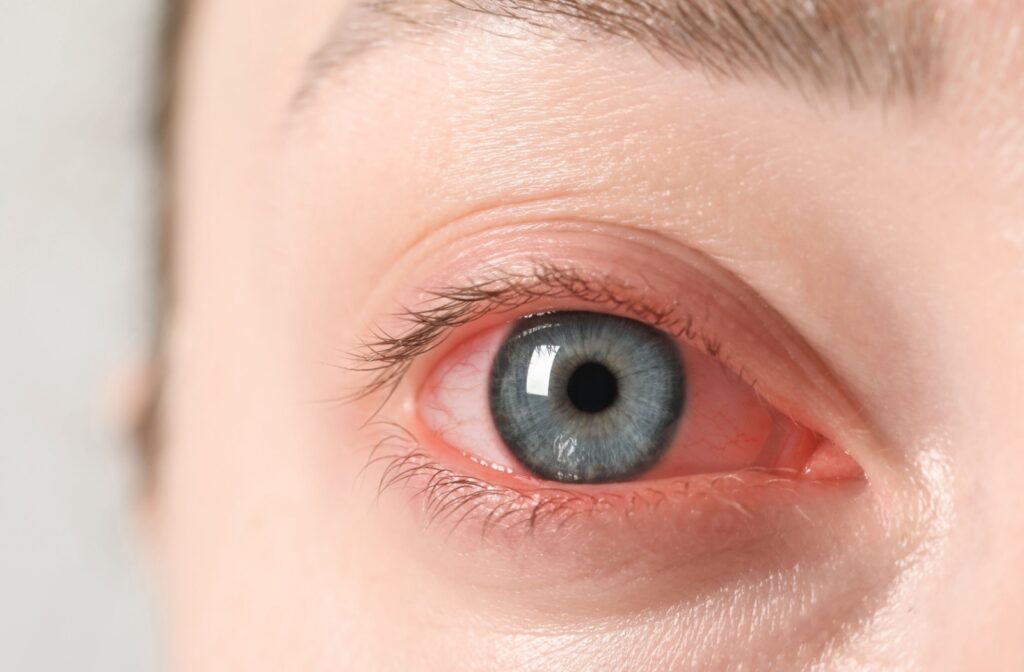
{"points": [[591, 335]]}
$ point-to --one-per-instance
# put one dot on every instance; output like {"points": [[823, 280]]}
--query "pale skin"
{"points": [[885, 240]]}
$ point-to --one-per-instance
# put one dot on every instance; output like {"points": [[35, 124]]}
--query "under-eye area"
{"points": [[681, 520]]}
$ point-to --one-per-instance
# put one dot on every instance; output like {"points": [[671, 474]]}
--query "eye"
{"points": [[586, 397]]}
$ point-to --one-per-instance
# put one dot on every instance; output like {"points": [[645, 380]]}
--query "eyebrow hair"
{"points": [[885, 50]]}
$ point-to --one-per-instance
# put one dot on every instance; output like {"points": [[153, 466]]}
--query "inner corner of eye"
{"points": [[453, 403], [582, 397]]}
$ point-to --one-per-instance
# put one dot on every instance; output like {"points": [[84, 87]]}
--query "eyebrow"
{"points": [[884, 50]]}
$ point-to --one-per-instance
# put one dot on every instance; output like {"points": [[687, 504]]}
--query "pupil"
{"points": [[592, 388]]}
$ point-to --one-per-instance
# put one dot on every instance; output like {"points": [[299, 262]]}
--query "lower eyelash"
{"points": [[451, 499]]}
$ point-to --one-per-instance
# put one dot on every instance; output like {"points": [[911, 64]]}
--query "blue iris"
{"points": [[587, 397]]}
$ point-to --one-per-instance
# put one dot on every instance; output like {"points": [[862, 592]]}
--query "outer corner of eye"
{"points": [[585, 398]]}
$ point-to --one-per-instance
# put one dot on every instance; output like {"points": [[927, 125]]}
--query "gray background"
{"points": [[75, 266]]}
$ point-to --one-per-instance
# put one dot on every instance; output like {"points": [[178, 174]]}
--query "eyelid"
{"points": [[684, 530], [452, 493], [387, 357], [489, 276]]}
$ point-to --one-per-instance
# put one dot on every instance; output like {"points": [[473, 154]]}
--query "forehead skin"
{"points": [[890, 235]]}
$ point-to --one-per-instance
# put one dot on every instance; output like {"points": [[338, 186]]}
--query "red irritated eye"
{"points": [[583, 397]]}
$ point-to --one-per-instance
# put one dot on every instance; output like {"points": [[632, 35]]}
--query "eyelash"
{"points": [[448, 495], [386, 357], [453, 498]]}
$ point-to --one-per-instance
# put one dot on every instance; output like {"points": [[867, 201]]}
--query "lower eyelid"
{"points": [[682, 526]]}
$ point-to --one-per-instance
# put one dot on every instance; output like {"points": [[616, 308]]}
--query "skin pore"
{"points": [[826, 199]]}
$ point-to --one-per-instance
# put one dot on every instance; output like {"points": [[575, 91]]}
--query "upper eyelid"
{"points": [[386, 357], [485, 275]]}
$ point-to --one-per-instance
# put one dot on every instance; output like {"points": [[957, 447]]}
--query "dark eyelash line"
{"points": [[451, 498], [386, 357]]}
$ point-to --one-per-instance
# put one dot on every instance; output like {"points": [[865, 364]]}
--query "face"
{"points": [[596, 336]]}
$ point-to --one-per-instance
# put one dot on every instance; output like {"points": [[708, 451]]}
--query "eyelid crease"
{"points": [[386, 357]]}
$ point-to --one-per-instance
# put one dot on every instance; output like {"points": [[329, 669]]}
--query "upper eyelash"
{"points": [[386, 357]]}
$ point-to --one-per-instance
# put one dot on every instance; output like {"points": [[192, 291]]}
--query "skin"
{"points": [[888, 239]]}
